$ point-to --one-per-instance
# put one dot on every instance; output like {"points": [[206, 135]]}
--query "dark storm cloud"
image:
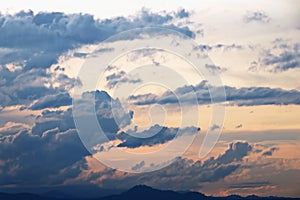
{"points": [[37, 40], [246, 96], [256, 16]]}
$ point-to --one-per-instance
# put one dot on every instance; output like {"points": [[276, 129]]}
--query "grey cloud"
{"points": [[283, 56], [236, 152], [186, 174], [52, 149], [224, 47], [31, 159], [138, 166], [25, 87], [256, 16], [37, 40], [246, 96], [120, 77], [143, 99], [250, 185], [52, 101], [287, 58], [182, 13], [12, 128], [213, 69], [63, 120], [153, 136], [239, 126], [270, 151], [214, 127]]}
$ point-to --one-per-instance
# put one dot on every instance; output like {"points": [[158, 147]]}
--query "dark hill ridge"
{"points": [[145, 192], [139, 192]]}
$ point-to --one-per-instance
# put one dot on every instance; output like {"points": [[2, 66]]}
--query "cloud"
{"points": [[236, 152], [245, 96], [11, 128], [51, 151], [138, 166], [256, 16], [223, 47], [270, 151], [184, 174], [34, 86], [282, 57], [31, 43], [119, 78], [214, 127], [63, 120], [52, 101], [154, 135], [250, 185], [213, 69], [31, 159], [239, 126], [37, 40]]}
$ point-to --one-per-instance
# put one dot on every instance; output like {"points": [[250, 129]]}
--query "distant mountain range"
{"points": [[140, 192]]}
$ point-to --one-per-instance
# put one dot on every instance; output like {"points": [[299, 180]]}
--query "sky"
{"points": [[181, 95]]}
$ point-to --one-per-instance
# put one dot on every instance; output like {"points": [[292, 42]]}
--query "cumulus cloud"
{"points": [[37, 40], [51, 149], [31, 43], [33, 159], [245, 96], [63, 119], [34, 86]]}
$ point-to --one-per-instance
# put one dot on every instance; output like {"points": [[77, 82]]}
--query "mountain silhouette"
{"points": [[147, 193], [139, 192]]}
